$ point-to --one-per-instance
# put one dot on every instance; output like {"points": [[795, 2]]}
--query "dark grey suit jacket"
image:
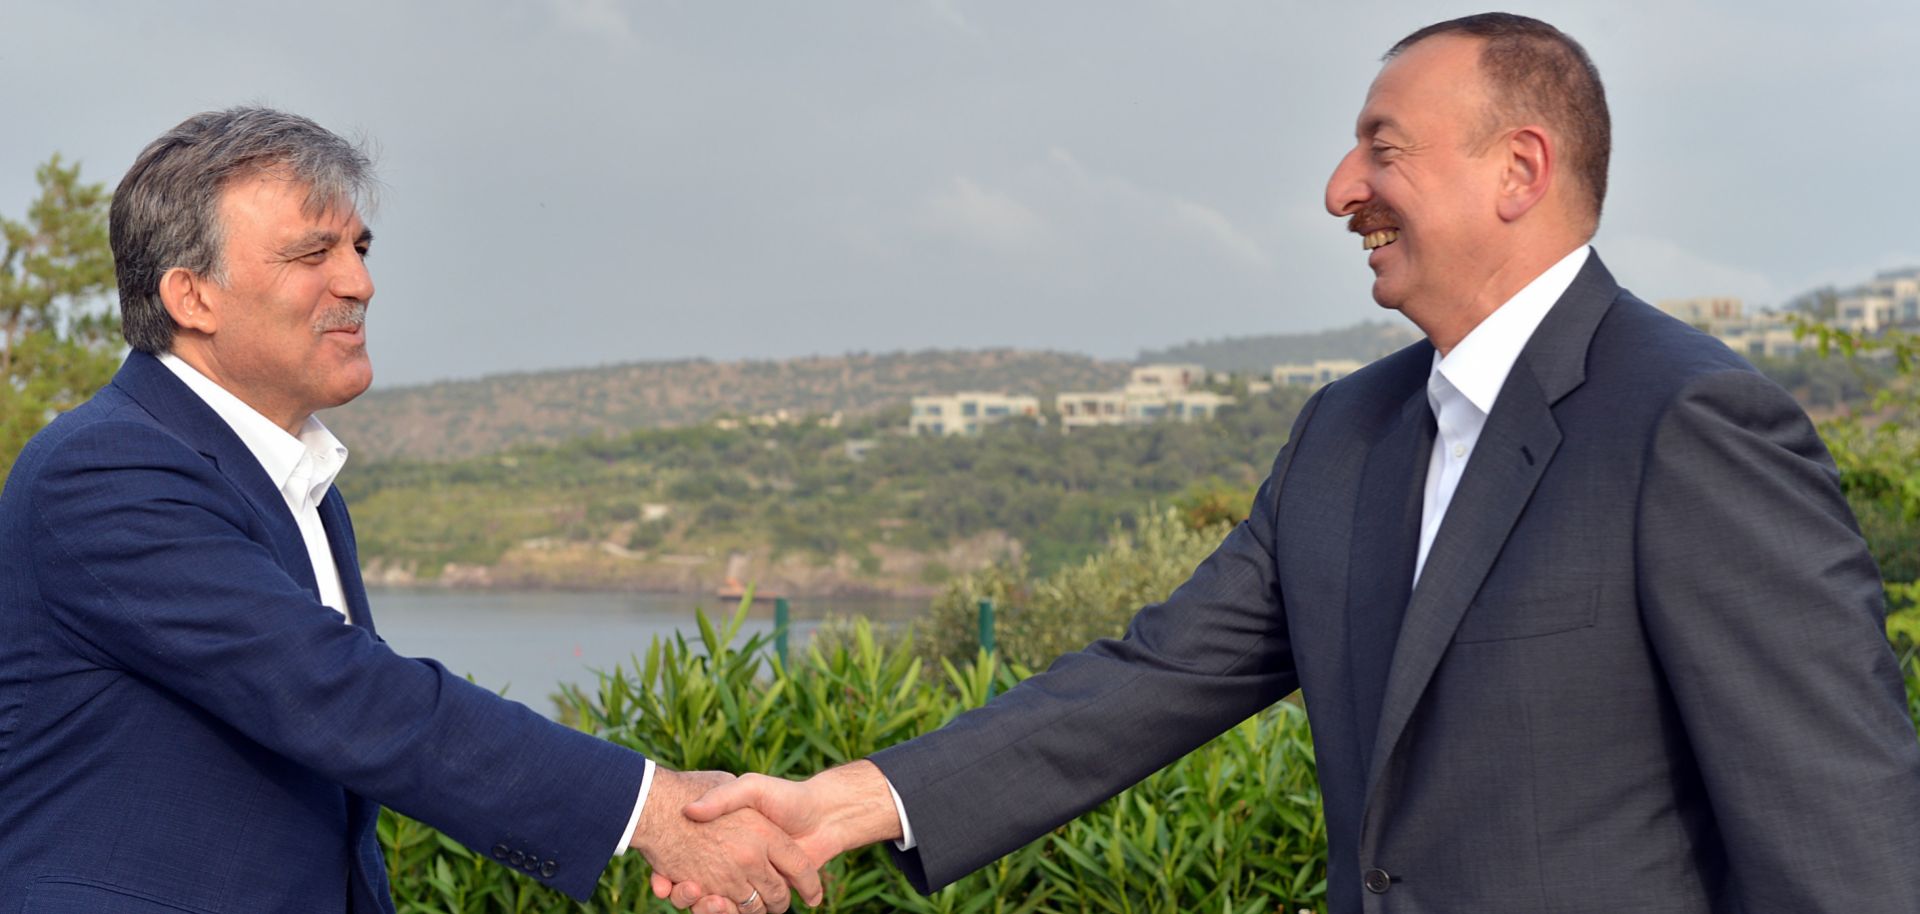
{"points": [[1643, 670]]}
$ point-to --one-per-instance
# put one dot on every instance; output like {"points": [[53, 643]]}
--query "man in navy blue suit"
{"points": [[196, 713]]}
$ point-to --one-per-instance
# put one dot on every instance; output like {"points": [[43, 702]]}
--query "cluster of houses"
{"points": [[1889, 300], [1153, 393]]}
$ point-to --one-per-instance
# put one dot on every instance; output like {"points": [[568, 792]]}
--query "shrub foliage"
{"points": [[1236, 826]]}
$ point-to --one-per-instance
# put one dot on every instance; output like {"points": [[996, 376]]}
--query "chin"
{"points": [[359, 388], [1386, 296], [350, 385]]}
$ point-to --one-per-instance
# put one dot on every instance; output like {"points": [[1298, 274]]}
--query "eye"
{"points": [[314, 256], [365, 250], [1383, 150]]}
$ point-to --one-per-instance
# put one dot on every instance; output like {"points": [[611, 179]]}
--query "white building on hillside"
{"points": [[1166, 376], [1890, 299], [1154, 393], [1765, 333], [965, 413], [1704, 312], [1318, 374]]}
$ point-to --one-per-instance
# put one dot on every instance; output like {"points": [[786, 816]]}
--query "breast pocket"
{"points": [[1507, 615]]}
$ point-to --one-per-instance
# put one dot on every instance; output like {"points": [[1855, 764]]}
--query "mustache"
{"points": [[346, 317], [1372, 217]]}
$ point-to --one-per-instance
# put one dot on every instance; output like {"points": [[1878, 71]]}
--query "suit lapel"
{"points": [[1385, 543], [346, 557], [1512, 453], [169, 400]]}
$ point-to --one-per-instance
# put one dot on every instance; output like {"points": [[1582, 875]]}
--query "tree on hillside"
{"points": [[59, 331], [1821, 304], [1878, 453]]}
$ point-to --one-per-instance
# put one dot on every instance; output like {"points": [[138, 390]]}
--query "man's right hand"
{"points": [[733, 854], [832, 812]]}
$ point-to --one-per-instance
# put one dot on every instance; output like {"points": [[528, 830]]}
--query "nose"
{"points": [[1347, 188], [351, 280]]}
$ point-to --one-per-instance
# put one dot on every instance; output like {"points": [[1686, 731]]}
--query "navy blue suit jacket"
{"points": [[185, 727]]}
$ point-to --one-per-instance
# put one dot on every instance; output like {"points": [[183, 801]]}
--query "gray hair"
{"points": [[165, 213]]}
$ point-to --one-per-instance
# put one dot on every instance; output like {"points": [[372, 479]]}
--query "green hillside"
{"points": [[790, 506], [455, 419]]}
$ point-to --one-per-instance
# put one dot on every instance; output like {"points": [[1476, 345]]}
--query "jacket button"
{"points": [[499, 852], [520, 859], [549, 868], [1377, 881]]}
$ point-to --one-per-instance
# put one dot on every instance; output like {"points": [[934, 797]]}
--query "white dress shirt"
{"points": [[303, 468], [1461, 389], [1464, 383]]}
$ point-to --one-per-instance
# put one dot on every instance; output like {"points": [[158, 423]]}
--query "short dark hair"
{"points": [[1536, 72], [166, 212]]}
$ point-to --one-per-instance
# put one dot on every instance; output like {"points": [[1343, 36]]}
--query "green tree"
{"points": [[59, 334], [1042, 618]]}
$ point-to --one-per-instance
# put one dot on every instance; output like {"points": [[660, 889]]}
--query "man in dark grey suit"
{"points": [[1577, 608]]}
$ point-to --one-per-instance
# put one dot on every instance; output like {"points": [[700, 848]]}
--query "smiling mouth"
{"points": [[1379, 239]]}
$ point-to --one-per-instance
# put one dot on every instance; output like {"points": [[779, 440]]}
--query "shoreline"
{"points": [[487, 579], [888, 573]]}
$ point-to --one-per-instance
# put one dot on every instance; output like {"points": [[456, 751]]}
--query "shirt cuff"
{"points": [[906, 842], [646, 784]]}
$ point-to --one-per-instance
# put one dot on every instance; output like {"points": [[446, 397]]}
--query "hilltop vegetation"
{"points": [[1258, 354], [457, 419]]}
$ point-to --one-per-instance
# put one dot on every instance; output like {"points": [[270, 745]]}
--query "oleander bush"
{"points": [[1234, 827], [1075, 605]]}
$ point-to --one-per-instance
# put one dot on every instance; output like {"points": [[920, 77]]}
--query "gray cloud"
{"points": [[582, 181]]}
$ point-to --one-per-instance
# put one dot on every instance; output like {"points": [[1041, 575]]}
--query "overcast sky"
{"points": [[575, 182]]}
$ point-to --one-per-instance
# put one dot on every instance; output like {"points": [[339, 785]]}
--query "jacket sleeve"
{"points": [[1765, 612], [153, 563], [1103, 718]]}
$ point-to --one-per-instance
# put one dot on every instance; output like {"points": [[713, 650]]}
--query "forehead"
{"points": [[268, 208], [1437, 78]]}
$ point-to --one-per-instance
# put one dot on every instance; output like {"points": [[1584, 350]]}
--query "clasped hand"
{"points": [[736, 854], [820, 818]]}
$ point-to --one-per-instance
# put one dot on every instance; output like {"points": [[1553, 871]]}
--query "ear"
{"points": [[184, 293], [1530, 161]]}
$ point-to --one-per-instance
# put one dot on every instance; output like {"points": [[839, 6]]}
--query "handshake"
{"points": [[726, 845]]}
